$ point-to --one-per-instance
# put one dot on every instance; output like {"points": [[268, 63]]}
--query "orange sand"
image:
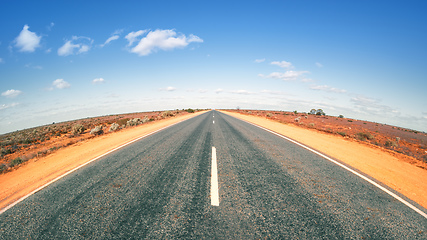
{"points": [[37, 172], [400, 175]]}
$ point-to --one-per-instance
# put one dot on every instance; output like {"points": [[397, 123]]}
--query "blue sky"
{"points": [[362, 59]]}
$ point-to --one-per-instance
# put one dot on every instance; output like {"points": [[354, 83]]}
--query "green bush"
{"points": [[190, 110], [16, 161], [362, 136], [3, 168], [77, 129], [342, 134]]}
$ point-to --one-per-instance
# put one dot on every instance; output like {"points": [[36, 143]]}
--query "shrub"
{"points": [[114, 127], [269, 115], [3, 168], [97, 130], [342, 134], [341, 116], [146, 119], [123, 121], [166, 114], [389, 143], [133, 122], [362, 136], [297, 119], [16, 161], [77, 129], [190, 110], [311, 124]]}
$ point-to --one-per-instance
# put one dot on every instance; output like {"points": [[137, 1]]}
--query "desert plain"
{"points": [[393, 156]]}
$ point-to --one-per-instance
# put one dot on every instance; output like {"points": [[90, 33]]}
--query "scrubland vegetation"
{"points": [[401, 140], [20, 146]]}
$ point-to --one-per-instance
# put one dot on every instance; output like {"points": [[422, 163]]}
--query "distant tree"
{"points": [[313, 111], [341, 116], [320, 112]]}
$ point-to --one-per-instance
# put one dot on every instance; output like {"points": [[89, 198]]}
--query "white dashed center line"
{"points": [[214, 180]]}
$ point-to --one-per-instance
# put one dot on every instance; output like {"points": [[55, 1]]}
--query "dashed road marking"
{"points": [[214, 180]]}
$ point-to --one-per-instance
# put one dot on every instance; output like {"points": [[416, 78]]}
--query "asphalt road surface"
{"points": [[160, 188]]}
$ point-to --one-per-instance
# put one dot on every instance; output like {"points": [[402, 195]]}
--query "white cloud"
{"points": [[202, 91], [283, 64], [372, 106], [159, 39], [133, 36], [5, 106], [27, 41], [60, 84], [11, 93], [49, 28], [245, 92], [110, 39], [327, 88], [1, 60], [67, 49], [219, 90], [30, 65], [319, 65], [260, 60], [83, 44], [98, 81], [168, 89], [286, 76]]}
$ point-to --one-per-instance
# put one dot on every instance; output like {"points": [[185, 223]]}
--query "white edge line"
{"points": [[84, 164], [214, 180], [346, 168]]}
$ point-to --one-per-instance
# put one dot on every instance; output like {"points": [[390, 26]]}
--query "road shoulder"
{"points": [[405, 178], [38, 172]]}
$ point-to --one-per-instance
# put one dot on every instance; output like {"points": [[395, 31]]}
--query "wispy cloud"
{"points": [[1, 60], [244, 92], [219, 90], [98, 81], [327, 88], [133, 36], [60, 84], [81, 44], [283, 64], [319, 65], [49, 28], [168, 89], [372, 106], [260, 60], [11, 93], [30, 65], [6, 106], [286, 76], [27, 41], [110, 39], [159, 39]]}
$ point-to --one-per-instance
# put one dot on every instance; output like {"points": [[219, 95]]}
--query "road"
{"points": [[160, 188]]}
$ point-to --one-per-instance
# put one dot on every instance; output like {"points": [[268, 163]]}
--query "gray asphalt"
{"points": [[159, 188]]}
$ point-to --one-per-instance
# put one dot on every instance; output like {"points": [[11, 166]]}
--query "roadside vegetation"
{"points": [[401, 140], [18, 147]]}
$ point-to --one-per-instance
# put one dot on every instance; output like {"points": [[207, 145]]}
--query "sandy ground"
{"points": [[382, 165], [37, 172]]}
